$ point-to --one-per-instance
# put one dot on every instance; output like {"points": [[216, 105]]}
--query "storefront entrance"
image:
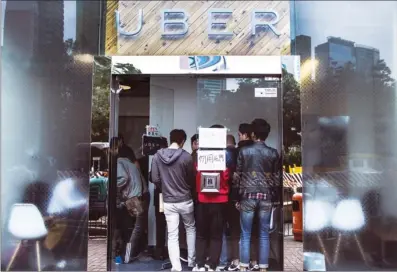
{"points": [[152, 96]]}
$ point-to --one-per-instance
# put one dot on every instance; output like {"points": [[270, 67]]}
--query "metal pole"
{"points": [[113, 155]]}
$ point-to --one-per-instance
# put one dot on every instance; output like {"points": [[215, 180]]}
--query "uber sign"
{"points": [[175, 23]]}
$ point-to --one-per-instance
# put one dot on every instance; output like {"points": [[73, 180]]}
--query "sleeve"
{"points": [[237, 175], [122, 175], [231, 160], [191, 173], [155, 173], [277, 163]]}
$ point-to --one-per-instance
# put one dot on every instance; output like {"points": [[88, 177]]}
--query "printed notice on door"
{"points": [[211, 160], [265, 92], [212, 137]]}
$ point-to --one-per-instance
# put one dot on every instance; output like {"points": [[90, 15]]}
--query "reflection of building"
{"points": [[337, 54], [50, 27], [358, 98], [366, 59], [214, 87], [302, 46], [334, 55], [87, 19]]}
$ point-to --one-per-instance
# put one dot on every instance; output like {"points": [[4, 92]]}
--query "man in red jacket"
{"points": [[210, 219]]}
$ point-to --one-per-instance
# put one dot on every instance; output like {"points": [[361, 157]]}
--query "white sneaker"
{"points": [[196, 268]]}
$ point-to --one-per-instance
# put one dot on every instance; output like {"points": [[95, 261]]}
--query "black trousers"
{"points": [[210, 223], [161, 226], [144, 239], [121, 235], [233, 230]]}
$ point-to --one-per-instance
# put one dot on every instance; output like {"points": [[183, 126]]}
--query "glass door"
{"points": [[115, 90], [231, 102]]}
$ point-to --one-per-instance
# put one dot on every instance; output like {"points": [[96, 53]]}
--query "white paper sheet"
{"points": [[211, 160], [212, 137]]}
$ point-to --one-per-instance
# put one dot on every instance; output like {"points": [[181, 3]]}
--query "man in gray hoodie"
{"points": [[173, 172]]}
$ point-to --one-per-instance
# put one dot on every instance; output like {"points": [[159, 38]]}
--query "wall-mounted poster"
{"points": [[150, 144], [212, 137], [211, 160]]}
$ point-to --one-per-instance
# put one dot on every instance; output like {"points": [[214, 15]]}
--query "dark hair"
{"points": [[178, 136], [121, 138], [194, 138], [245, 128], [260, 128], [217, 126], [231, 139]]}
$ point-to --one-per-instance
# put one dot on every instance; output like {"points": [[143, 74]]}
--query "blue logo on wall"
{"points": [[213, 63]]}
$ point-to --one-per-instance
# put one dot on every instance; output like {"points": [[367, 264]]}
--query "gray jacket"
{"points": [[173, 172], [130, 181]]}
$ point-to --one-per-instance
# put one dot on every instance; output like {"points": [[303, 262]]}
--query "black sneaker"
{"points": [[232, 267], [254, 267]]}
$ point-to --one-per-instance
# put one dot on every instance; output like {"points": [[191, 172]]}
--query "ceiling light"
{"points": [[125, 87]]}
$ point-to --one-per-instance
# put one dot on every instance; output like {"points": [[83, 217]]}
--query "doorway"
{"points": [[164, 97]]}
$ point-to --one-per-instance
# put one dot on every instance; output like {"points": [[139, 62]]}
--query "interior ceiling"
{"points": [[140, 85]]}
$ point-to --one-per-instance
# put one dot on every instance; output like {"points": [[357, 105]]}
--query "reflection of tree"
{"points": [[100, 95], [382, 75], [233, 108], [125, 68], [100, 100], [291, 111]]}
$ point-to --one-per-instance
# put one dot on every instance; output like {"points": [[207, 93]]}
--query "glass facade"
{"points": [[348, 118], [349, 127], [46, 94]]}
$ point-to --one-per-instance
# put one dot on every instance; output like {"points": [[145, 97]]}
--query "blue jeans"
{"points": [[250, 208], [224, 260]]}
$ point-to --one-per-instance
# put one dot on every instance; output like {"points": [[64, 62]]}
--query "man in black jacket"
{"points": [[257, 165]]}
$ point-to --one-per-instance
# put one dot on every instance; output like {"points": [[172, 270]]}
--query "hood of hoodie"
{"points": [[169, 155]]}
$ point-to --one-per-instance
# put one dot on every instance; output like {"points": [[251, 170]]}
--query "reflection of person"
{"points": [[131, 189], [210, 211], [173, 172], [253, 163]]}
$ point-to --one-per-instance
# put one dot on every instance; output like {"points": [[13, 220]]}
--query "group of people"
{"points": [[219, 225]]}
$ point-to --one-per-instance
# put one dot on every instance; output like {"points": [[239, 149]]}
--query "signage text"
{"points": [[175, 25]]}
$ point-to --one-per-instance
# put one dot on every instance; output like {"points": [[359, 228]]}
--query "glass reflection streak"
{"points": [[65, 197]]}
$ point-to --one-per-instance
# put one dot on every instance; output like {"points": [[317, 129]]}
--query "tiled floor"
{"points": [[293, 255]]}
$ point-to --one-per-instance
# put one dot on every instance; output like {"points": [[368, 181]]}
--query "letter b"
{"points": [[177, 19]]}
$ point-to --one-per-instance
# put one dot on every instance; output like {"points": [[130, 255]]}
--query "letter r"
{"points": [[256, 22]]}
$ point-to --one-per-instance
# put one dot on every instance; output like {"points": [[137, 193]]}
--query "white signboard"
{"points": [[212, 137], [152, 131], [265, 92], [211, 160]]}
